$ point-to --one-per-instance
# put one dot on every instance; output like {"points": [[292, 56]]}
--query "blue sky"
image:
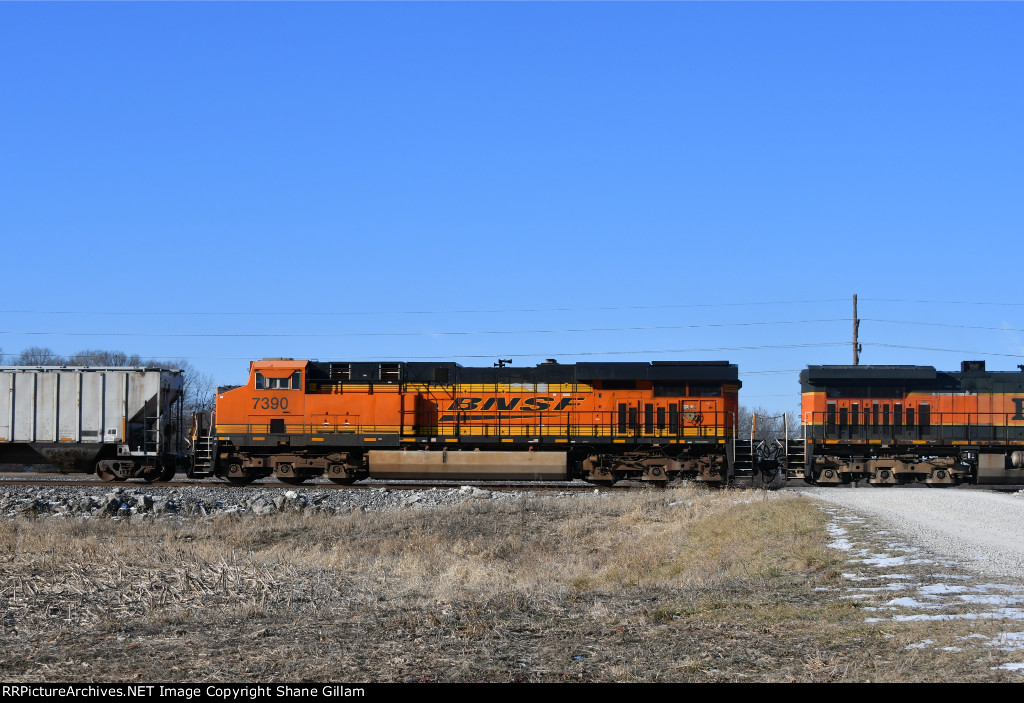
{"points": [[469, 181]]}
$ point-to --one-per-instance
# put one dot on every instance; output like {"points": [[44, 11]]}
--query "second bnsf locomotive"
{"points": [[891, 425], [297, 419]]}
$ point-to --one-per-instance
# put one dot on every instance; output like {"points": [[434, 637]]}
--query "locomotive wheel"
{"points": [[168, 473], [237, 476]]}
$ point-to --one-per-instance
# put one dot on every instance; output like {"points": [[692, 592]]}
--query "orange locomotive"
{"points": [[892, 425], [602, 422]]}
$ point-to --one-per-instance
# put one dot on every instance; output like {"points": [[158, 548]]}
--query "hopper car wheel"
{"points": [[152, 475], [168, 473], [239, 480], [344, 481], [104, 474], [292, 480]]}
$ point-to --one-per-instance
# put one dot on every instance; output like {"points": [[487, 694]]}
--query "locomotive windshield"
{"points": [[293, 382]]}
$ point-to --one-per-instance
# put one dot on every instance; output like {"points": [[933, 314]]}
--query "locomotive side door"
{"points": [[710, 422]]}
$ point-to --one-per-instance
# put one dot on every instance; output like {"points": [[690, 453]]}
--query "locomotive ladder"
{"points": [[204, 447], [743, 456], [796, 456]]}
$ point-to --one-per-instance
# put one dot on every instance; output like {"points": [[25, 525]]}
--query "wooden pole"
{"points": [[856, 327]]}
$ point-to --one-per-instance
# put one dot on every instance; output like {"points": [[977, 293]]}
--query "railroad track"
{"points": [[57, 480]]}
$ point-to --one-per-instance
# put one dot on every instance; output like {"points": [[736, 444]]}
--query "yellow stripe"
{"points": [[318, 439], [451, 440], [523, 388]]}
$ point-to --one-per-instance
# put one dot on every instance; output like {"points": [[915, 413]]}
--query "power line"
{"points": [[292, 313], [943, 324], [951, 351], [545, 354], [943, 302], [415, 334]]}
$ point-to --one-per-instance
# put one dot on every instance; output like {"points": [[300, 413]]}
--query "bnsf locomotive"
{"points": [[893, 425], [598, 421]]}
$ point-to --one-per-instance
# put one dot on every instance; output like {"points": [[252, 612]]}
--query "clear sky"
{"points": [[582, 181]]}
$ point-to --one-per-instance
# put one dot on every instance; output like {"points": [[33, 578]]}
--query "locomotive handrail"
{"points": [[956, 427], [715, 425]]}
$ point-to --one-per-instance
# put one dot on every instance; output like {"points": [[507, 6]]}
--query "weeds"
{"points": [[675, 585]]}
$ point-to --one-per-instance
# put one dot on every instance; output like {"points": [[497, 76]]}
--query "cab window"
{"points": [[286, 383]]}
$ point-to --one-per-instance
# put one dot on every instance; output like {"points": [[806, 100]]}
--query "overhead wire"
{"points": [[937, 349], [292, 313], [417, 334], [540, 354]]}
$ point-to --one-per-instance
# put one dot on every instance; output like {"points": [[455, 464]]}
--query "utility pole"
{"points": [[856, 327]]}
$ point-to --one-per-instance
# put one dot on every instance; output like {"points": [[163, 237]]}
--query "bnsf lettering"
{"points": [[566, 402], [539, 403], [465, 404], [1018, 404], [501, 404]]}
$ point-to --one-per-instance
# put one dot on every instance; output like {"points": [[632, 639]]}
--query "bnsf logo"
{"points": [[530, 404]]}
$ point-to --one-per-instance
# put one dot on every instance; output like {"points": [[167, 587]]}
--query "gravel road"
{"points": [[982, 529]]}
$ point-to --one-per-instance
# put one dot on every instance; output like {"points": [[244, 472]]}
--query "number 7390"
{"points": [[273, 403]]}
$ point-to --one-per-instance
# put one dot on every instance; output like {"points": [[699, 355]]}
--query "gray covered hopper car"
{"points": [[117, 422]]}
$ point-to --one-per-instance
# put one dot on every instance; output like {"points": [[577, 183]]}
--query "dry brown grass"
{"points": [[674, 585]]}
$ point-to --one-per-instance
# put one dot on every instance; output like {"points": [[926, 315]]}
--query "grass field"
{"points": [[672, 585]]}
